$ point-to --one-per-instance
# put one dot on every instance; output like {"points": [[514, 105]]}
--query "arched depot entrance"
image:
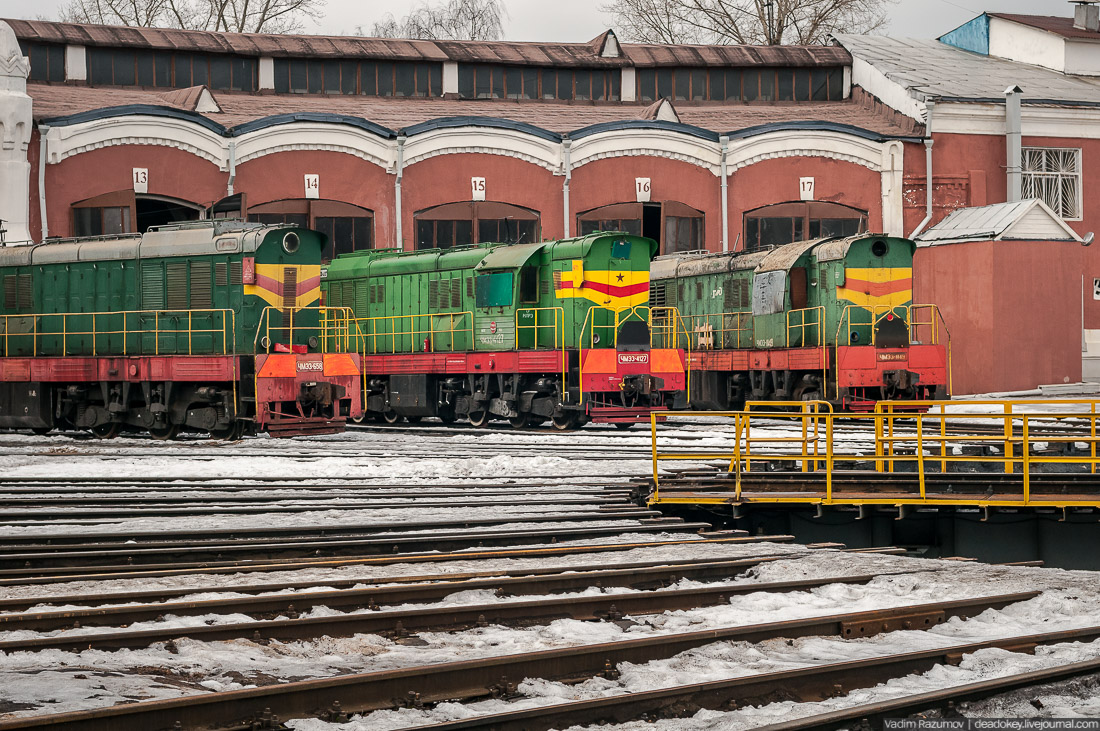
{"points": [[785, 223], [475, 222], [348, 227], [674, 225], [123, 211]]}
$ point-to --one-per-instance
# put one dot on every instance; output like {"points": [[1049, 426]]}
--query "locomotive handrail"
{"points": [[557, 326], [369, 326], [837, 450], [708, 337], [323, 331], [225, 331]]}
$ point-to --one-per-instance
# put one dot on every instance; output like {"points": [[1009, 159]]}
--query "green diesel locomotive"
{"points": [[829, 319], [554, 330], [210, 326]]}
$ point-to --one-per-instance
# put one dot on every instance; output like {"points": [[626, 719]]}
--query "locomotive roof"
{"points": [[182, 240], [780, 258]]}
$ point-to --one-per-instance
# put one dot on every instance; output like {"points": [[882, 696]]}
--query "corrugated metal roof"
{"points": [[782, 258], [566, 55], [988, 223], [1061, 26], [929, 69]]}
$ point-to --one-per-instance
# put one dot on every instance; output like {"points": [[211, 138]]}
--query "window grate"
{"points": [[201, 291], [1054, 176], [11, 288], [236, 273], [433, 294], [221, 274], [152, 286], [456, 294]]}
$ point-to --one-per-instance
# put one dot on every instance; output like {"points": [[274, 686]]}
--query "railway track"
{"points": [[496, 676]]}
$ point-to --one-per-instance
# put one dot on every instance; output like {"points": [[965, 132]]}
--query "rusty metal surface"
{"points": [[302, 533], [397, 622], [24, 576], [651, 54], [427, 589], [206, 554], [942, 699], [458, 680], [813, 683]]}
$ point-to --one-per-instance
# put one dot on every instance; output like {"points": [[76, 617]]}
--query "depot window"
{"points": [[348, 227], [673, 225], [1054, 175], [742, 84], [488, 81], [166, 69], [369, 78], [47, 60], [475, 222], [785, 223]]}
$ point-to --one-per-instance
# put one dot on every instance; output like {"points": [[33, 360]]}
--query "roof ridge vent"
{"points": [[1086, 16]]}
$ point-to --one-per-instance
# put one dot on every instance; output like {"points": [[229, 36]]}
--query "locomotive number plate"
{"points": [[633, 358], [892, 356], [310, 365]]}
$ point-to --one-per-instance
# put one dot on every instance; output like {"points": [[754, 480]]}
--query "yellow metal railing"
{"points": [[325, 329], [721, 331], [111, 333], [441, 330], [806, 322], [930, 439], [556, 326]]}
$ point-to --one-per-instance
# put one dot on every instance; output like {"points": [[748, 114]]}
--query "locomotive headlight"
{"points": [[313, 342], [291, 242], [595, 338], [855, 337]]}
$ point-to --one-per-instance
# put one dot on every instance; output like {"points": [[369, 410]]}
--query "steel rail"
{"points": [[398, 622], [24, 576], [806, 684], [199, 554], [482, 677], [899, 707], [388, 589], [174, 538]]}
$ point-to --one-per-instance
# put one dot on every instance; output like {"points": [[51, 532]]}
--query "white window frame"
{"points": [[1078, 176]]}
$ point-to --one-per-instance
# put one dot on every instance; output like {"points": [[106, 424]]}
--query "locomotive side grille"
{"points": [[363, 296], [731, 296], [10, 290], [433, 294], [25, 296], [698, 290], [671, 289], [470, 285], [201, 292], [657, 294], [221, 274], [456, 294], [544, 286], [381, 293], [175, 279], [290, 286], [236, 273], [152, 286]]}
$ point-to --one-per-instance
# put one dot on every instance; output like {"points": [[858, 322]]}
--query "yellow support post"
{"points": [[805, 432], [737, 419], [1092, 442], [829, 457], [653, 441], [879, 417], [943, 438], [920, 453], [1026, 464], [1008, 438]]}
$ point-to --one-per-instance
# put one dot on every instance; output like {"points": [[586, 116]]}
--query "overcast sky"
{"points": [[581, 20]]}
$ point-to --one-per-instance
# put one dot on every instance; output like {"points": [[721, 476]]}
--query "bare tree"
{"points": [[470, 20], [233, 16], [752, 22]]}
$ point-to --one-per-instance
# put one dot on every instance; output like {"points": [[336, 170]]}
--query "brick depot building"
{"points": [[419, 144]]}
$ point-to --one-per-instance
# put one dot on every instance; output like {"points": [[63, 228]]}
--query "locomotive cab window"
{"points": [[529, 284], [494, 289]]}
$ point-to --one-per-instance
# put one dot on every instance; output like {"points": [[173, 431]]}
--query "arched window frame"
{"points": [[464, 223], [807, 220]]}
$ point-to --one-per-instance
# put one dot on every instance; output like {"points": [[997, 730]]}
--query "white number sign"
{"points": [[642, 187], [141, 180], [1096, 289], [477, 189], [806, 189], [313, 185]]}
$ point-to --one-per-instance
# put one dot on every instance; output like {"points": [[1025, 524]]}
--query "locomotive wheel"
{"points": [[479, 418], [359, 419], [110, 430], [624, 425], [520, 421], [391, 416], [229, 434], [164, 433], [565, 422]]}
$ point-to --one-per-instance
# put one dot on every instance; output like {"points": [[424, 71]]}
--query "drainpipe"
{"points": [[43, 148], [232, 168], [725, 142], [927, 175], [1013, 139], [399, 242], [568, 169]]}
